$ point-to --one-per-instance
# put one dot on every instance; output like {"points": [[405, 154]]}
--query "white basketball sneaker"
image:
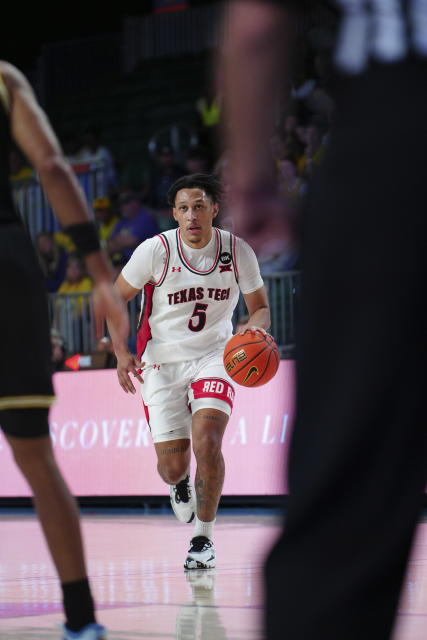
{"points": [[183, 500], [201, 554]]}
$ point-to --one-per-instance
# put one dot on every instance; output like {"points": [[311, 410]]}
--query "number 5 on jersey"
{"points": [[199, 313]]}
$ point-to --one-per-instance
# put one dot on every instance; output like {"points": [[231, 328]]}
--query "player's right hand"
{"points": [[129, 364]]}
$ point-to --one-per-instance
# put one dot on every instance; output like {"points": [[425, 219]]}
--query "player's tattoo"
{"points": [[200, 490], [215, 418], [208, 484], [166, 452]]}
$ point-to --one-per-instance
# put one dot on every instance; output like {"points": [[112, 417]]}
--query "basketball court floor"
{"points": [[142, 591]]}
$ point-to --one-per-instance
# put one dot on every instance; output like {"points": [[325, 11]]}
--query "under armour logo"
{"points": [[379, 28], [176, 268], [224, 267]]}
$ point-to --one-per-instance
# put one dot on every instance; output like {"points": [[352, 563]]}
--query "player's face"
{"points": [[194, 211]]}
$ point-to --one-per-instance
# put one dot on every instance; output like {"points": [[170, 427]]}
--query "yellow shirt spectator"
{"points": [[106, 219], [83, 286], [63, 240], [75, 282], [106, 229]]}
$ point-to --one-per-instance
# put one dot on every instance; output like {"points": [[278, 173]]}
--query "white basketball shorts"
{"points": [[172, 392]]}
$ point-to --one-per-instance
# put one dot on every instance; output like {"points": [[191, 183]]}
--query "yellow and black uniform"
{"points": [[25, 365]]}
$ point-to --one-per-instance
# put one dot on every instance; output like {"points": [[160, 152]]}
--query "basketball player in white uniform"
{"points": [[191, 278]]}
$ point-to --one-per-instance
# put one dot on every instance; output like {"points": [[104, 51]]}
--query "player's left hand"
{"points": [[128, 364]]}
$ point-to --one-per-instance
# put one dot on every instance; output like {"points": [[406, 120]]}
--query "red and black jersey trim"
{"points": [[233, 256], [143, 332], [165, 243], [185, 262]]}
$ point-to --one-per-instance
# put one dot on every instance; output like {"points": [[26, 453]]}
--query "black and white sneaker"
{"points": [[201, 554], [183, 500]]}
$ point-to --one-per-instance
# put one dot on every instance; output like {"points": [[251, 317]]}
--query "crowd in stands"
{"points": [[127, 216]]}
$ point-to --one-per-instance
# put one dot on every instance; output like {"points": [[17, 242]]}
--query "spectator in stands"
{"points": [[19, 167], [76, 281], [165, 172], [53, 260], [106, 219], [137, 225], [71, 311], [95, 153]]}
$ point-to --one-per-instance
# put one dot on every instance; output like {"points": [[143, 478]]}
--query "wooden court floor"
{"points": [[142, 591]]}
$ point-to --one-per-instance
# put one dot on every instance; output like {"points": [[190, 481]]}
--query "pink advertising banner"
{"points": [[103, 443]]}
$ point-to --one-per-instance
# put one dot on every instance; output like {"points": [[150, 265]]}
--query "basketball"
{"points": [[251, 359]]}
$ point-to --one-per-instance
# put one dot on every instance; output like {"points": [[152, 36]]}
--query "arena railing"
{"points": [[283, 292], [72, 315], [34, 208]]}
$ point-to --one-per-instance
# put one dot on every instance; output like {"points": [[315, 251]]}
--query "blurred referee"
{"points": [[358, 461], [25, 365]]}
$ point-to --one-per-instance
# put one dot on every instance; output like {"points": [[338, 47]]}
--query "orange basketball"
{"points": [[251, 359]]}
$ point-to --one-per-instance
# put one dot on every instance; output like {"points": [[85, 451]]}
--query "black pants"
{"points": [[358, 460]]}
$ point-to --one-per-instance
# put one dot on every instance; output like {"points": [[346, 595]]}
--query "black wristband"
{"points": [[84, 236]]}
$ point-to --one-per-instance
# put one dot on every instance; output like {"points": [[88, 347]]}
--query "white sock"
{"points": [[204, 528]]}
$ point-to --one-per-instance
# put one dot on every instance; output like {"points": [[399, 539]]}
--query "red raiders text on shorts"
{"points": [[214, 388]]}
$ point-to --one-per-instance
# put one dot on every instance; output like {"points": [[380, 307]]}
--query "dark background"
{"points": [[29, 27]]}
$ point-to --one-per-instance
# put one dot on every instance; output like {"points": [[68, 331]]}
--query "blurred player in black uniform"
{"points": [[26, 391], [358, 461]]}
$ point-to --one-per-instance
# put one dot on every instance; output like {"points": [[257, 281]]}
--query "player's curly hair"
{"points": [[205, 181]]}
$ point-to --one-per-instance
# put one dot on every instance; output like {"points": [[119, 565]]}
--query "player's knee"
{"points": [[172, 472], [207, 447]]}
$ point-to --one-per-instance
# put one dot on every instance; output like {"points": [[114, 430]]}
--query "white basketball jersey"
{"points": [[187, 313]]}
